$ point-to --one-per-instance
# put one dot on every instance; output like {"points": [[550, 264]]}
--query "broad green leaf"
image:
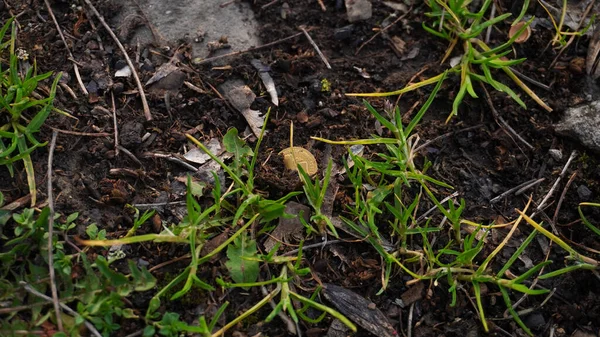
{"points": [[115, 278], [240, 269], [142, 279], [236, 145]]}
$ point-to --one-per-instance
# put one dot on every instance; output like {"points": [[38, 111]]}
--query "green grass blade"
{"points": [[477, 291], [517, 253], [512, 311]]}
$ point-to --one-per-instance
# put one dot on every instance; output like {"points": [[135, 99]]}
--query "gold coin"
{"points": [[302, 157]]}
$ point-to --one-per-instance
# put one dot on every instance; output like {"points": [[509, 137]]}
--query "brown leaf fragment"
{"points": [[212, 244], [413, 294], [398, 44], [289, 228], [163, 71], [356, 308]]}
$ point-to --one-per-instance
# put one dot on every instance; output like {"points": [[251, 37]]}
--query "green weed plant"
{"points": [[454, 21], [17, 85], [385, 215]]}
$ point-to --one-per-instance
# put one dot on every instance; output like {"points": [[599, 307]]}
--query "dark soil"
{"points": [[480, 163]]}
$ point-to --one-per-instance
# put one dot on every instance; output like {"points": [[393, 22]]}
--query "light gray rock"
{"points": [[202, 21], [358, 10], [582, 123]]}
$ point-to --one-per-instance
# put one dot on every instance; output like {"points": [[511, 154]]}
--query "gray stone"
{"points": [[584, 192], [358, 10], [582, 123], [556, 154], [131, 134], [199, 20], [535, 321]]}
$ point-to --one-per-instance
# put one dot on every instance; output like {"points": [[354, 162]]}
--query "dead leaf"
{"points": [[197, 186], [398, 44], [163, 71], [263, 72], [398, 6], [241, 97], [196, 155], [289, 228], [413, 294]]}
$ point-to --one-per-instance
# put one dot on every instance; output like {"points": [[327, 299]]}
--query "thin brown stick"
{"points": [[562, 196], [530, 80], [114, 116], [76, 133], [74, 313], [382, 31], [171, 157], [410, 319], [199, 61], [528, 186], [166, 263], [129, 63], [68, 90], [130, 155], [62, 37], [21, 202], [53, 288], [323, 8], [269, 4], [562, 173], [507, 128], [317, 49], [195, 88]]}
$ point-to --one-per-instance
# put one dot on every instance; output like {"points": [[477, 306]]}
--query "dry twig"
{"points": [[129, 63], [562, 196], [549, 194], [114, 116], [323, 58], [53, 288], [323, 8], [382, 30], [72, 312], [507, 128], [62, 37], [76, 133]]}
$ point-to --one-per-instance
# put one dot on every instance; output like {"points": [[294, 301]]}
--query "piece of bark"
{"points": [[358, 309]]}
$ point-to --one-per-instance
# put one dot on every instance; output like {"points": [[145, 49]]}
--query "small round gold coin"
{"points": [[303, 158]]}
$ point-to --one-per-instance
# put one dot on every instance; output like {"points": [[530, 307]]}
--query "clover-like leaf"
{"points": [[241, 269]]}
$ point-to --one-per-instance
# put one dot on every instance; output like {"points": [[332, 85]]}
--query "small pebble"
{"points": [[92, 45], [343, 33], [556, 154], [118, 88], [584, 192], [535, 321]]}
